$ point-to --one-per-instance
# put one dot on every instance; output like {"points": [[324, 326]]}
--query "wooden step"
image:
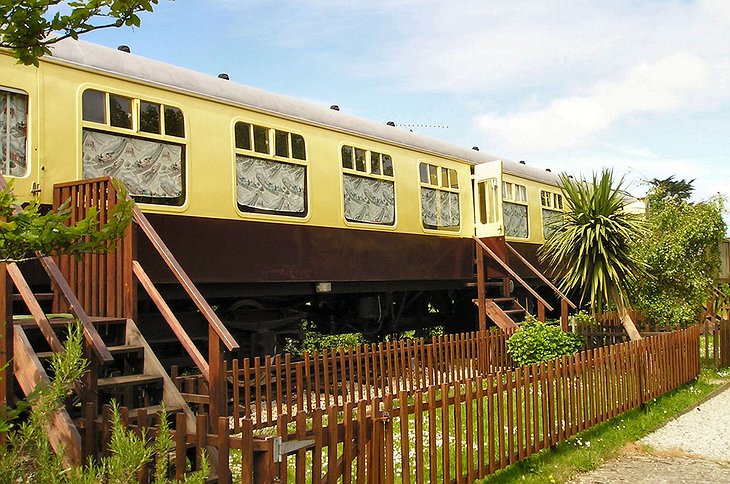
{"points": [[129, 380], [40, 296], [114, 350], [61, 321], [510, 312]]}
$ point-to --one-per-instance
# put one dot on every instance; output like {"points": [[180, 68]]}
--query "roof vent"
{"points": [[548, 169], [475, 148], [522, 162], [224, 76], [335, 107], [390, 123], [124, 48]]}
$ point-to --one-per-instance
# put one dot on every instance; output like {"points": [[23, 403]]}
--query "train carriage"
{"points": [[280, 210]]}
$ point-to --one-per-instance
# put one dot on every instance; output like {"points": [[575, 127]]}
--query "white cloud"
{"points": [[676, 81]]}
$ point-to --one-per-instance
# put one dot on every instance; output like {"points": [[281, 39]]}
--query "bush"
{"points": [[537, 341], [315, 341]]}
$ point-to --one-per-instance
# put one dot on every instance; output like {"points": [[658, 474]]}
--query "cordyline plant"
{"points": [[27, 233], [591, 248]]}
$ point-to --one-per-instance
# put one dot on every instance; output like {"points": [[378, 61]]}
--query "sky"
{"points": [[642, 86]]}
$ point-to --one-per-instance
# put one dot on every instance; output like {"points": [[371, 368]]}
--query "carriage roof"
{"points": [[110, 61]]}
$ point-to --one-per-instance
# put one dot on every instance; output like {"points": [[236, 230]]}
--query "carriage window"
{"points": [[149, 117], [94, 106], [152, 167], [368, 188], [120, 111], [281, 143], [174, 122], [14, 132], [439, 197], [261, 140], [243, 136], [552, 212], [515, 210], [298, 150], [265, 185]]}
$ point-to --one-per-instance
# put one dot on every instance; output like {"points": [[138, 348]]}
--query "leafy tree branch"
{"points": [[30, 27]]}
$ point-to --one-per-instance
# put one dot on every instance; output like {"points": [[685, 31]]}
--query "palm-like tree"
{"points": [[591, 248]]}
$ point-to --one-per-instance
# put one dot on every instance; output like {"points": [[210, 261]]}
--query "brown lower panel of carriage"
{"points": [[238, 251]]}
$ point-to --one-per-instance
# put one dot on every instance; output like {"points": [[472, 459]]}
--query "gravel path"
{"points": [[693, 448], [703, 431]]}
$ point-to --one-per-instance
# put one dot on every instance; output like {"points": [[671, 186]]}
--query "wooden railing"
{"points": [[108, 283], [97, 351], [564, 301], [481, 249]]}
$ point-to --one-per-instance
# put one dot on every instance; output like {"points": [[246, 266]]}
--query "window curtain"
{"points": [[551, 220], [270, 185], [147, 168], [439, 208], [14, 132], [369, 200], [515, 220]]}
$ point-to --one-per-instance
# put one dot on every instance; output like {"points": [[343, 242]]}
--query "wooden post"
{"points": [[506, 290], [481, 290], [263, 463], [564, 315], [540, 311], [6, 337], [217, 379]]}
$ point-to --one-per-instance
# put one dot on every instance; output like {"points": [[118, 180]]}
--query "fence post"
{"points": [[6, 337]]}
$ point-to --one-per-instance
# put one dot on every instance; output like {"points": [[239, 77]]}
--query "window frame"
{"points": [[177, 203], [437, 185], [7, 90], [367, 173], [518, 195], [272, 157], [552, 202]]}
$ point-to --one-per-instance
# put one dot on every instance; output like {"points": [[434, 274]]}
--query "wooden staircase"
{"points": [[99, 291], [504, 310], [135, 379]]}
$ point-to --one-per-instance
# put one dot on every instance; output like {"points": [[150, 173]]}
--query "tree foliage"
{"points": [[30, 27], [28, 231], [682, 252], [591, 250]]}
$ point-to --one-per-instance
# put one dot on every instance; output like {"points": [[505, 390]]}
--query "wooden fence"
{"points": [[465, 426], [264, 389], [472, 427], [715, 343]]}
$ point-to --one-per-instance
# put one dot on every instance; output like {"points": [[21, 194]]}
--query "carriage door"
{"points": [[488, 200]]}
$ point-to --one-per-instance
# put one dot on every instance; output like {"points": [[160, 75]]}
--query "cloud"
{"points": [[676, 81]]}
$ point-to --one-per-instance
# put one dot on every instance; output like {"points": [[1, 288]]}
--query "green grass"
{"points": [[589, 449]]}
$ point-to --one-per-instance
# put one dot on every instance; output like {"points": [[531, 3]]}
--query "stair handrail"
{"points": [[54, 273], [172, 321], [541, 276], [213, 320], [507, 268]]}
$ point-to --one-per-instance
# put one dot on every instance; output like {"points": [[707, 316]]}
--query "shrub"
{"points": [[537, 341], [26, 455]]}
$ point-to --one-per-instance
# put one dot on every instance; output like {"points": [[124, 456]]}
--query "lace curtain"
{"points": [[551, 220], [439, 208], [515, 220], [147, 168], [270, 185], [369, 200], [13, 132]]}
